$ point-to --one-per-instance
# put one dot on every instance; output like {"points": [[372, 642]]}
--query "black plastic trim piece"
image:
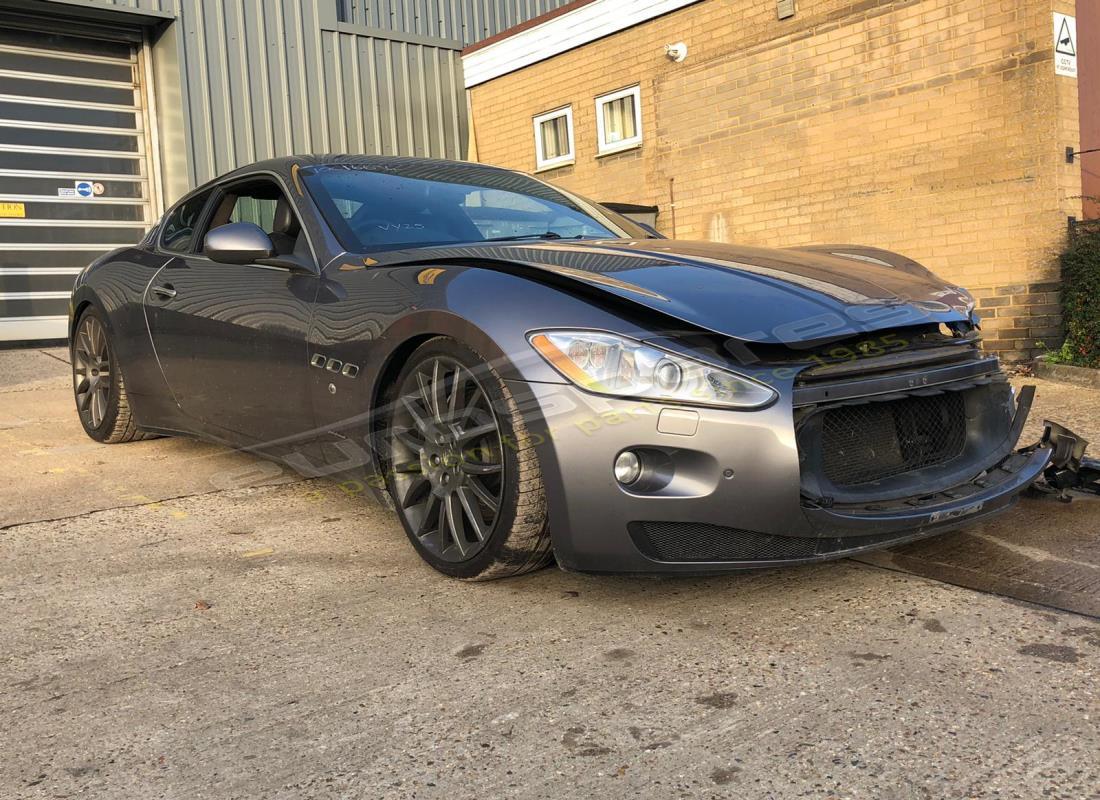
{"points": [[891, 384]]}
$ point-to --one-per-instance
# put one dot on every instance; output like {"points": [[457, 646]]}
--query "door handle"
{"points": [[165, 291]]}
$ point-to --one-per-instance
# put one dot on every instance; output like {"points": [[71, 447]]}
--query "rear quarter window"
{"points": [[177, 231]]}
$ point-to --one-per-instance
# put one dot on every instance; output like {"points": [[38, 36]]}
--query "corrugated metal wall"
{"points": [[468, 21], [274, 83], [262, 78]]}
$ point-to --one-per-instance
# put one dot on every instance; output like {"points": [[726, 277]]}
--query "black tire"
{"points": [[102, 405], [453, 460]]}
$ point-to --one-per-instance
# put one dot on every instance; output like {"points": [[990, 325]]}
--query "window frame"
{"points": [[541, 162], [216, 191], [606, 148]]}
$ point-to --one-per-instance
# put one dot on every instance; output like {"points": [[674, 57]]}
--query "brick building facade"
{"points": [[935, 128]]}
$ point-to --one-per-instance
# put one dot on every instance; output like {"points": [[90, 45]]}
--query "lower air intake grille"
{"points": [[697, 541], [872, 441]]}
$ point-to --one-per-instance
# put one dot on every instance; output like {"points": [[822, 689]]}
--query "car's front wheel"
{"points": [[100, 391], [462, 470]]}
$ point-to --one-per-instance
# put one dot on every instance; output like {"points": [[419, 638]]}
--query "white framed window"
{"points": [[554, 138], [619, 120]]}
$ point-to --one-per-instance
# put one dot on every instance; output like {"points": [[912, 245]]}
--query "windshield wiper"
{"points": [[547, 235]]}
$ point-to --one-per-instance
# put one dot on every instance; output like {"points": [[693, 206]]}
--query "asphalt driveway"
{"points": [[179, 620]]}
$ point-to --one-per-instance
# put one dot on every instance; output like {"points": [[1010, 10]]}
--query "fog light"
{"points": [[628, 467]]}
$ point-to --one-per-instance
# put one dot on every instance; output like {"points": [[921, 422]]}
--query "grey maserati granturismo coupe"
{"points": [[525, 375]]}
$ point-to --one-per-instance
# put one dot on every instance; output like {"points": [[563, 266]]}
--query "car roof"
{"points": [[284, 164]]}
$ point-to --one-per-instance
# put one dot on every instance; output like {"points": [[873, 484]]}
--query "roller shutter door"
{"points": [[74, 162]]}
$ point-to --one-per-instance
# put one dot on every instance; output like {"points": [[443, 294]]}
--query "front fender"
{"points": [[377, 317]]}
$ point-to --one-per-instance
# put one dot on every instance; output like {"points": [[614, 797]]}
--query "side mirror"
{"points": [[238, 243]]}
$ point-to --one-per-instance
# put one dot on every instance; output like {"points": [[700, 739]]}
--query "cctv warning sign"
{"points": [[1065, 45]]}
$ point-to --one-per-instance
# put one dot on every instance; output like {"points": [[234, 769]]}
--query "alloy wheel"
{"points": [[448, 461], [92, 371]]}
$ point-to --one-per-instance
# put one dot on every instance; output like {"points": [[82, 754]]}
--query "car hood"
{"points": [[750, 293]]}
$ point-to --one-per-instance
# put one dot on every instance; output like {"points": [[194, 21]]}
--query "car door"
{"points": [[231, 338]]}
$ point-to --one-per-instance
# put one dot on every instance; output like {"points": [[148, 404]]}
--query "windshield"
{"points": [[431, 203]]}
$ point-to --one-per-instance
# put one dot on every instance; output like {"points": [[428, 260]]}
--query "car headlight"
{"points": [[605, 363]]}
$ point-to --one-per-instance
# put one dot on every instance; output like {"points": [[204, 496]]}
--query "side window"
{"points": [[257, 210], [178, 228], [263, 203]]}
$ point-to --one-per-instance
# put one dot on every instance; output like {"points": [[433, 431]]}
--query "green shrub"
{"points": [[1081, 301]]}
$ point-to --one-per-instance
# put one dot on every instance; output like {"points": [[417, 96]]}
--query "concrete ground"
{"points": [[164, 636]]}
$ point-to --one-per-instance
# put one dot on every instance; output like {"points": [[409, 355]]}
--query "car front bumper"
{"points": [[734, 501]]}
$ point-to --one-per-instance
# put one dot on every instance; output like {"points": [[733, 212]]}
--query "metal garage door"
{"points": [[74, 163]]}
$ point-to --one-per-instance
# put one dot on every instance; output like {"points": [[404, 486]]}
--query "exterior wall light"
{"points": [[677, 51]]}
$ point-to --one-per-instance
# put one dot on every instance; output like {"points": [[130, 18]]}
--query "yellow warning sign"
{"points": [[13, 210]]}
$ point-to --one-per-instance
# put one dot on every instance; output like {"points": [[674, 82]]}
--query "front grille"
{"points": [[872, 441], [698, 541]]}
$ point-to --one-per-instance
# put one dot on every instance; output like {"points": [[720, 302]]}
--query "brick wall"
{"points": [[935, 128]]}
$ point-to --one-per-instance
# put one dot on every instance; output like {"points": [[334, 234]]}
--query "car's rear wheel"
{"points": [[463, 472], [100, 391]]}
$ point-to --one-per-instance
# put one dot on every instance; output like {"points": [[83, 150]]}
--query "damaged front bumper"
{"points": [[1054, 465], [991, 490], [734, 501], [994, 490]]}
